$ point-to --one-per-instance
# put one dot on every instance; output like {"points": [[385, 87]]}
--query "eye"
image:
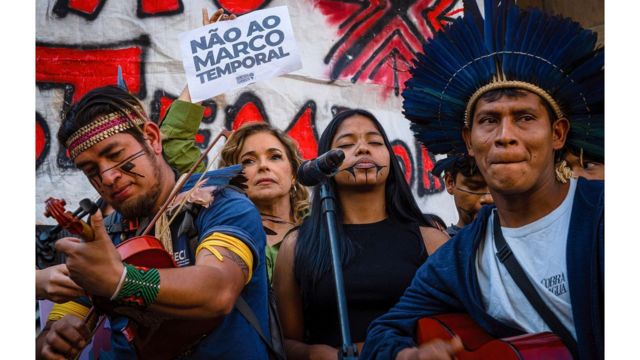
{"points": [[377, 143], [527, 117], [247, 161], [487, 120], [90, 172], [276, 157], [114, 155], [345, 146]]}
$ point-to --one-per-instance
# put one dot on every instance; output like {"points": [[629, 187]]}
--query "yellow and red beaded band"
{"points": [[98, 130], [510, 84]]}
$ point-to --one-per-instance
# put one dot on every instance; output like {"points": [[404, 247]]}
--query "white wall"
{"points": [[282, 98]]}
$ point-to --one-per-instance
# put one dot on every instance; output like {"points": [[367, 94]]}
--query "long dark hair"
{"points": [[313, 253]]}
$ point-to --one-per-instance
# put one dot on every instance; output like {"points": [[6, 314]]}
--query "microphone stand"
{"points": [[349, 350]]}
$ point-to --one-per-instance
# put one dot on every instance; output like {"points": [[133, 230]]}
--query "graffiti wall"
{"points": [[355, 54]]}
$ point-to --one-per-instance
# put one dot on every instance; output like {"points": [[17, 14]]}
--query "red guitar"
{"points": [[480, 345]]}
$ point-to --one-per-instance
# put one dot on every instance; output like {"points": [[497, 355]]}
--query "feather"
{"points": [[121, 83], [551, 52], [444, 164], [219, 177]]}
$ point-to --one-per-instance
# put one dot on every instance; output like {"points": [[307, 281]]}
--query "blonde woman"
{"points": [[270, 160]]}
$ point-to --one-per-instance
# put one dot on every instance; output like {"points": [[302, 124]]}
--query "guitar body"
{"points": [[480, 345]]}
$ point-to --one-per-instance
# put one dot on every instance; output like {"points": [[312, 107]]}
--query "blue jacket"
{"points": [[447, 282]]}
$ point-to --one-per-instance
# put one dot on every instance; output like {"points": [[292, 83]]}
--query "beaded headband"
{"points": [[510, 84], [106, 126]]}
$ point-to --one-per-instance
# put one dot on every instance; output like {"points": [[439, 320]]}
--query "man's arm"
{"points": [[207, 289], [179, 128], [427, 295]]}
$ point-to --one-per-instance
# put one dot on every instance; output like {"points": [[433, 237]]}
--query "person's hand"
{"points": [[65, 339], [437, 349], [96, 265], [54, 283], [219, 15]]}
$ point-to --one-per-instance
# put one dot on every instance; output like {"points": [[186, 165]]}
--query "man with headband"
{"points": [[220, 257], [512, 90]]}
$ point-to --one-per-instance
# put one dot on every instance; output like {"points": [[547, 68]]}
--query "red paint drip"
{"points": [[337, 12], [247, 114], [84, 6], [402, 152], [432, 16], [456, 11], [159, 6], [302, 133], [165, 103], [88, 69], [240, 7], [427, 166], [41, 140]]}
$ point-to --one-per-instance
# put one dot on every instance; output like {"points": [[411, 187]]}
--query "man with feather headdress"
{"points": [[513, 90]]}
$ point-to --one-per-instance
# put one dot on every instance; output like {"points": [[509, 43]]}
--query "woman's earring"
{"points": [[293, 190]]}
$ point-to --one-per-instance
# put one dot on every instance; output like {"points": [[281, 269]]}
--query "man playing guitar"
{"points": [[218, 248], [520, 87]]}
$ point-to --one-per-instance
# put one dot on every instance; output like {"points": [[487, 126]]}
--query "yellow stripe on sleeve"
{"points": [[231, 243], [69, 308]]}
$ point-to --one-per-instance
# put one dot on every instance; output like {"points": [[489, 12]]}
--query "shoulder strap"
{"points": [[248, 314], [506, 257]]}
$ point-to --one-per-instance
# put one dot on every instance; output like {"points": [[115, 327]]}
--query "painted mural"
{"points": [[355, 54]]}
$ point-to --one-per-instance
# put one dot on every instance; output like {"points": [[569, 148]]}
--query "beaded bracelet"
{"points": [[140, 287]]}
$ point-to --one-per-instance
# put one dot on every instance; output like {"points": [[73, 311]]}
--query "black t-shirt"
{"points": [[387, 255]]}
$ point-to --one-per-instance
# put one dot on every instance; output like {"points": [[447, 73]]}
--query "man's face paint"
{"points": [[122, 175], [470, 193], [125, 166]]}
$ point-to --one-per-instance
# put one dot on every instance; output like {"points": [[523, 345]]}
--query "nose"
{"points": [[110, 176], [505, 133], [263, 165], [486, 199], [363, 148]]}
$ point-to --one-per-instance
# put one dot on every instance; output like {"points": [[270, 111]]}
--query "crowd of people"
{"points": [[523, 136]]}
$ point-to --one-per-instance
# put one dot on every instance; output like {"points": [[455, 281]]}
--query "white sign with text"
{"points": [[231, 54]]}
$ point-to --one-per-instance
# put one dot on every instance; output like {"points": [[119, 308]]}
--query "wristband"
{"points": [[140, 287]]}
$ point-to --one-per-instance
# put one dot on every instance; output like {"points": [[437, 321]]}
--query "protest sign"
{"points": [[230, 54]]}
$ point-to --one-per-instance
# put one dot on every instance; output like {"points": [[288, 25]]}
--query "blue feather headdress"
{"points": [[551, 56]]}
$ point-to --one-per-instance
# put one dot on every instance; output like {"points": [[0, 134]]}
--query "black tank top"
{"points": [[387, 255]]}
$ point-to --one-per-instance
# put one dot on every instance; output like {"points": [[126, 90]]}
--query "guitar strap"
{"points": [[508, 259], [248, 314]]}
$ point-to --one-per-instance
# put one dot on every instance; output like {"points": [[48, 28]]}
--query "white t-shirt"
{"points": [[540, 248]]}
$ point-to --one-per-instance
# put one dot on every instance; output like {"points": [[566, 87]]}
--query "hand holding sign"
{"points": [[218, 15], [226, 55]]}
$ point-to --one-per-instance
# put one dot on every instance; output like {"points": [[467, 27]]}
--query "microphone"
{"points": [[313, 172]]}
